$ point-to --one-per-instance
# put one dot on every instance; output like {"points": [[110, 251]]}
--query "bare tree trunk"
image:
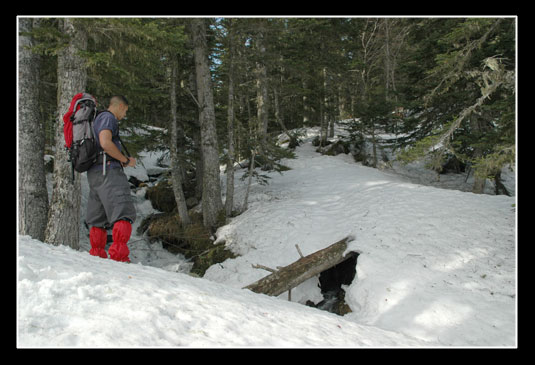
{"points": [[229, 200], [395, 34], [199, 165], [374, 144], [387, 58], [479, 181], [196, 137], [212, 204], [261, 89], [64, 213], [278, 116], [330, 106], [331, 126], [176, 173], [325, 117], [251, 169], [306, 108], [33, 196]]}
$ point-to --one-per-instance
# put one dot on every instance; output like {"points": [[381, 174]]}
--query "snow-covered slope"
{"points": [[68, 298], [436, 264]]}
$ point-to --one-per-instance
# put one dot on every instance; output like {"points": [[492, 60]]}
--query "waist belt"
{"points": [[103, 158]]}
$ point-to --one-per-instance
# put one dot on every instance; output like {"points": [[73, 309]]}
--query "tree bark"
{"points": [[290, 276], [306, 108], [64, 213], [479, 181], [251, 169], [229, 200], [212, 204], [278, 118], [324, 107], [33, 196], [176, 173], [261, 89], [387, 58]]}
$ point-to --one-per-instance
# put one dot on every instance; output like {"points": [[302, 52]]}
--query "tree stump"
{"points": [[290, 276]]}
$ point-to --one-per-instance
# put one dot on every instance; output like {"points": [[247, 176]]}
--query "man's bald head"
{"points": [[118, 99], [118, 106]]}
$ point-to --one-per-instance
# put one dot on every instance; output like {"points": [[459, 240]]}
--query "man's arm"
{"points": [[111, 149]]}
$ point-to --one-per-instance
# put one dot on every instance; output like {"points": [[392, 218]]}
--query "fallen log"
{"points": [[290, 276]]}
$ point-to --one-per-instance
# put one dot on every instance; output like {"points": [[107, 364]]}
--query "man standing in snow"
{"points": [[109, 202]]}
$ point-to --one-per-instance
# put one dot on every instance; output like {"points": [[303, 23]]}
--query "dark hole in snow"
{"points": [[331, 281]]}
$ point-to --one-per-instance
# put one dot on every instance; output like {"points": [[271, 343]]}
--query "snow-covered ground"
{"points": [[68, 298], [436, 268]]}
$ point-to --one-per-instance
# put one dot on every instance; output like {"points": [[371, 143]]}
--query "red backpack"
{"points": [[78, 132]]}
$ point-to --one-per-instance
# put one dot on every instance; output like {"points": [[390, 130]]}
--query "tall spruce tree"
{"points": [[176, 169], [229, 200], [212, 205]]}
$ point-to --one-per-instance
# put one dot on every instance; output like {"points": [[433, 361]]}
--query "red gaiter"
{"points": [[121, 234], [97, 238]]}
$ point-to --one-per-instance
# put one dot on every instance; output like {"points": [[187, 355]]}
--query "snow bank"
{"points": [[68, 298]]}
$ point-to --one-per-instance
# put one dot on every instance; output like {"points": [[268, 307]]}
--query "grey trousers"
{"points": [[109, 198]]}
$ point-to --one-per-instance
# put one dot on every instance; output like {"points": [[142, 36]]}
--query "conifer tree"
{"points": [[468, 103], [212, 204], [33, 196]]}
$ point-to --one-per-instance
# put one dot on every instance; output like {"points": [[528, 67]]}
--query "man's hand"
{"points": [[131, 162]]}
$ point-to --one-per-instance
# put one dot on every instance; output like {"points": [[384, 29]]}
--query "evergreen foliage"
{"points": [[453, 78], [468, 98]]}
